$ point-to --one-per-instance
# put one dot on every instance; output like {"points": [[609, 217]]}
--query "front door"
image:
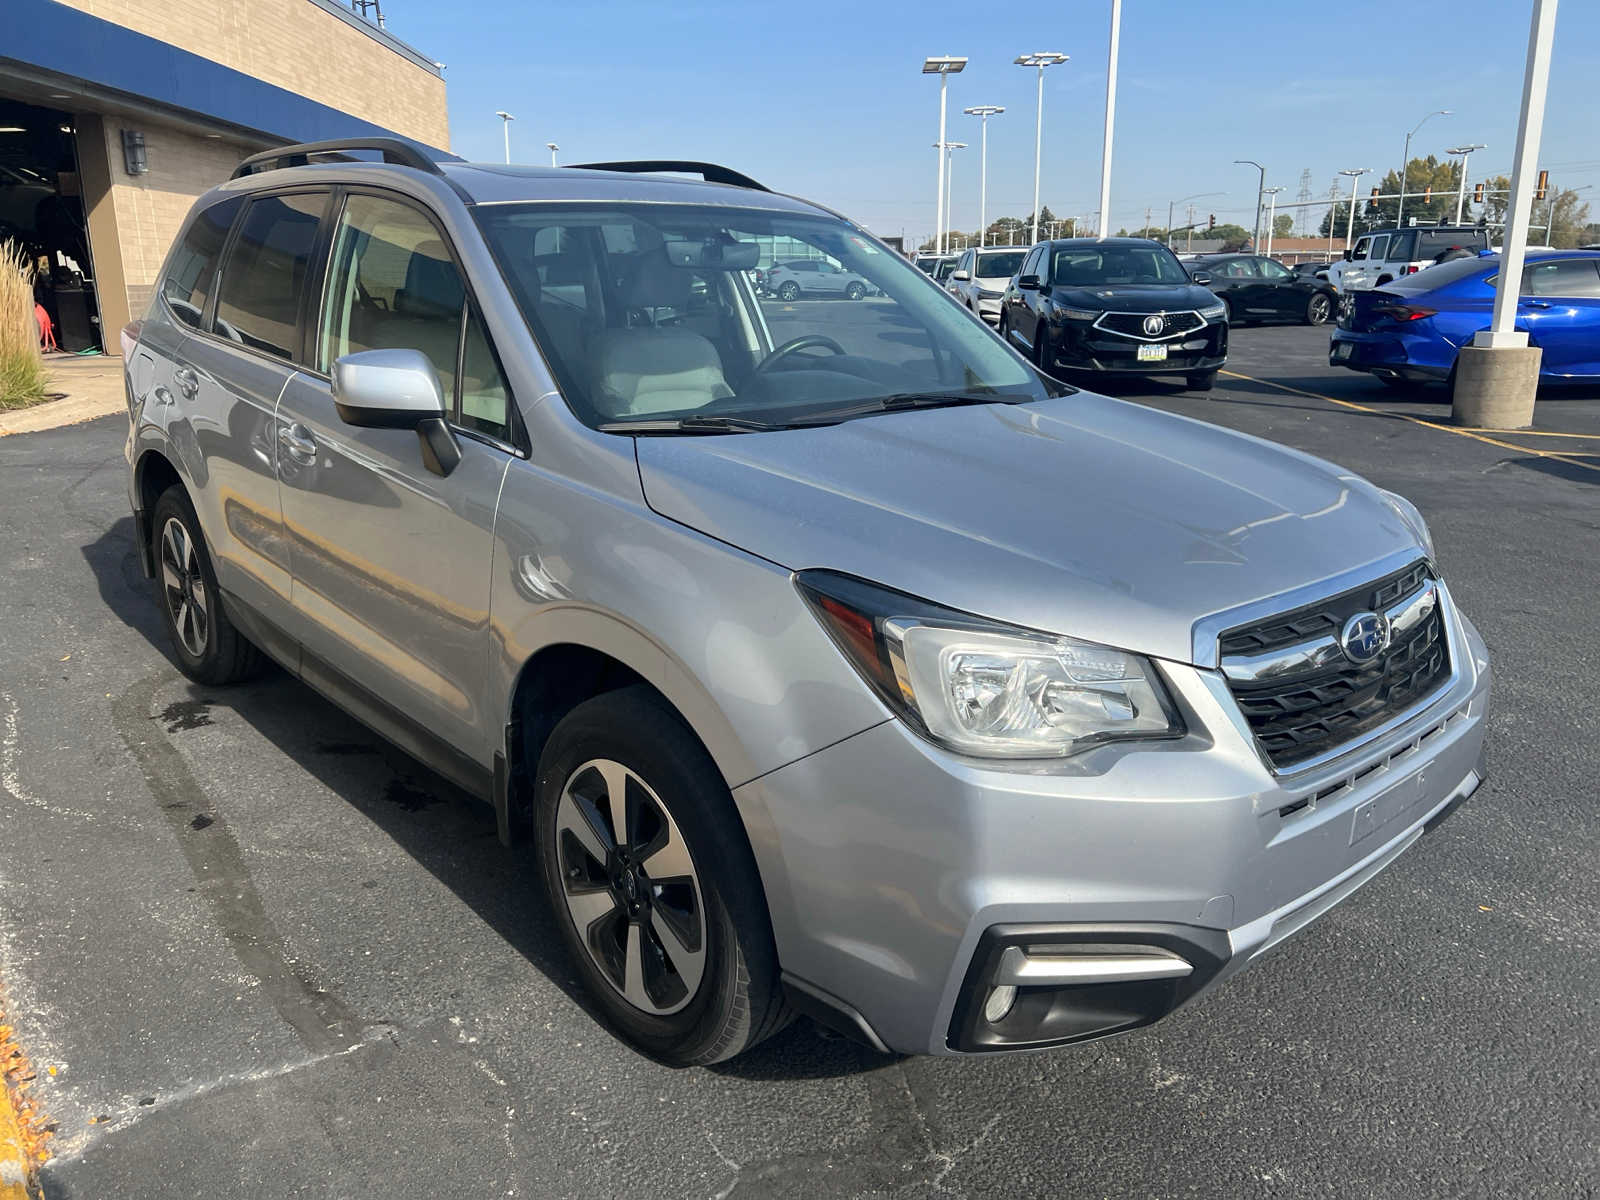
{"points": [[391, 562], [1278, 293], [1560, 309]]}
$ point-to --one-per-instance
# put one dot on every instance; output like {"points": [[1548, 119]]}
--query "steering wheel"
{"points": [[804, 342]]}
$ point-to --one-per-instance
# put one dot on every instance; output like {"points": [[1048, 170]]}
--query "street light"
{"points": [[1261, 185], [949, 187], [983, 112], [1355, 173], [552, 148], [505, 126], [1272, 211], [943, 67], [1171, 204], [1461, 190], [1040, 59], [1111, 118], [1405, 161]]}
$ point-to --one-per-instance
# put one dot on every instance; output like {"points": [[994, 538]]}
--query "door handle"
{"points": [[188, 382], [1537, 303], [298, 443]]}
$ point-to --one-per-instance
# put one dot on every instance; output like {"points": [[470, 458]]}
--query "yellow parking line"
{"points": [[1474, 434]]}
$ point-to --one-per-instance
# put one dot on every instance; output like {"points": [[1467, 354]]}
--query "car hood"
{"points": [[1152, 297], [1080, 515]]}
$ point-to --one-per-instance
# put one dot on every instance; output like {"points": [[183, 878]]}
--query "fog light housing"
{"points": [[999, 1003]]}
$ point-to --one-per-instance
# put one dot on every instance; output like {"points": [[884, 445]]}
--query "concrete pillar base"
{"points": [[1495, 389]]}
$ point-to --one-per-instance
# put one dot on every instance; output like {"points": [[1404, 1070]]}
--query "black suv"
{"points": [[1118, 305]]}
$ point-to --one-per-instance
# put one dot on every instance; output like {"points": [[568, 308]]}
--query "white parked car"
{"points": [[980, 278], [1385, 255]]}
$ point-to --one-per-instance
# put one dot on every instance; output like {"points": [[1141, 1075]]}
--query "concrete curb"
{"points": [[52, 414]]}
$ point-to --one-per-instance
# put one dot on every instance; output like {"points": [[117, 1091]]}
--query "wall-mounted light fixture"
{"points": [[134, 159]]}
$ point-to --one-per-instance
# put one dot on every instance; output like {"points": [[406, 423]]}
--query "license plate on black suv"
{"points": [[1152, 354]]}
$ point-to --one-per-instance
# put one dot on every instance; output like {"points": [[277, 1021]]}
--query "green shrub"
{"points": [[22, 376]]}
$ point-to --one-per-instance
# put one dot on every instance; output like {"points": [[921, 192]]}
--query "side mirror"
{"points": [[396, 389], [1201, 278], [1028, 283], [962, 276]]}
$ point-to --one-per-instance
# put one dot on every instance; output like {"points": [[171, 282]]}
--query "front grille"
{"points": [[1307, 712], [1132, 324]]}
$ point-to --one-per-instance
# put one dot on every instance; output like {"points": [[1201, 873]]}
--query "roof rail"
{"points": [[394, 150], [710, 172]]}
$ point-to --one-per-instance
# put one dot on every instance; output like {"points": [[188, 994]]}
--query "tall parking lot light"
{"points": [[943, 67], [552, 147], [1261, 184], [1355, 173], [983, 112], [505, 127], [1465, 152], [1111, 118], [1405, 160], [1272, 211], [949, 188], [1040, 59]]}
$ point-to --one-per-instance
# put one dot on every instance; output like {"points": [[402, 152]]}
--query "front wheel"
{"points": [[855, 292], [654, 887], [1318, 309], [789, 291], [1202, 382]]}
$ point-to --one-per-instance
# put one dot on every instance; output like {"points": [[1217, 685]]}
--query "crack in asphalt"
{"points": [[321, 1020]]}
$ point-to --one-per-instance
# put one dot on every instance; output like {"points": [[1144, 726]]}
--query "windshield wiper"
{"points": [[902, 401], [691, 424]]}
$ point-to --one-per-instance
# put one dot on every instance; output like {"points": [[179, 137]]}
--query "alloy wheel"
{"points": [[631, 887], [1317, 312], [184, 587]]}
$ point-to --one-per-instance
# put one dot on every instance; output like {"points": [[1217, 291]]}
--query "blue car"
{"points": [[1409, 330]]}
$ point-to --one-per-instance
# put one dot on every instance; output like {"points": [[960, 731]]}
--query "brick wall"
{"points": [[298, 46]]}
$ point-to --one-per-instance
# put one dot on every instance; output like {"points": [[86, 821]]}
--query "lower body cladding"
{"points": [[933, 904]]}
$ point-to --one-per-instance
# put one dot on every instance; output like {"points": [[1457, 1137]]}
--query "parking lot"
{"points": [[253, 950]]}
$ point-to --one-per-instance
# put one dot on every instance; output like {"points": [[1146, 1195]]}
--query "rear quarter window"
{"points": [[192, 272]]}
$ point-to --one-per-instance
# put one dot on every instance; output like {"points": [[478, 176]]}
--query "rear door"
{"points": [[1560, 308], [1278, 291], [239, 361], [392, 562]]}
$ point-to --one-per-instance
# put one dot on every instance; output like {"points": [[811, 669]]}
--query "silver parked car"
{"points": [[812, 277], [980, 277], [852, 669]]}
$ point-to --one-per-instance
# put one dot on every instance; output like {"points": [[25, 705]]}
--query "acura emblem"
{"points": [[1364, 637], [1154, 323]]}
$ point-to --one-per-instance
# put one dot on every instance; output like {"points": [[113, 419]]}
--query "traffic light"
{"points": [[1427, 194], [1544, 185], [1372, 201], [1211, 223], [1477, 194]]}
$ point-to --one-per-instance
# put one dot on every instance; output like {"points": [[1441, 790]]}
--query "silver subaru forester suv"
{"points": [[828, 659]]}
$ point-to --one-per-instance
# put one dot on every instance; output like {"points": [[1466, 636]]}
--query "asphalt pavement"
{"points": [[255, 952]]}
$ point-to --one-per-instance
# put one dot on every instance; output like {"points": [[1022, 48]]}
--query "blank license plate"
{"points": [[1342, 350], [1152, 354]]}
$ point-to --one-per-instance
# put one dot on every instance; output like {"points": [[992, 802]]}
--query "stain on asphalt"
{"points": [[408, 796], [186, 714], [320, 1019]]}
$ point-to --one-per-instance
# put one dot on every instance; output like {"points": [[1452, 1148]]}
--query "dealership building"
{"points": [[116, 114]]}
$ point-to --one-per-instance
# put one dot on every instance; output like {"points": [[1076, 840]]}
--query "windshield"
{"points": [[645, 311], [942, 270], [1000, 266], [1096, 266]]}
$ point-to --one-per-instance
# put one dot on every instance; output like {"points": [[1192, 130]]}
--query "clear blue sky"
{"points": [[826, 100]]}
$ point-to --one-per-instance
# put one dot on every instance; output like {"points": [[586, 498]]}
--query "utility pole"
{"points": [[1305, 198], [1188, 243]]}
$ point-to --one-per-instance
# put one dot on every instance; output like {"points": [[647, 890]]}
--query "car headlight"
{"points": [[1214, 312], [983, 688], [1078, 314], [986, 294], [1412, 516]]}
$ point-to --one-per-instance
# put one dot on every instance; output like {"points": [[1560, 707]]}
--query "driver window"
{"points": [[1360, 252]]}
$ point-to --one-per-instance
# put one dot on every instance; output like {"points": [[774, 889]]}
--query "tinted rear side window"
{"points": [[264, 277], [193, 270], [1432, 243]]}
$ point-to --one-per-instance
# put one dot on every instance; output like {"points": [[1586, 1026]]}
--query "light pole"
{"points": [[1171, 204], [1111, 119], [1261, 185], [505, 126], [1355, 173], [1040, 59], [1272, 211], [943, 67], [983, 112], [1461, 189], [949, 188], [552, 148], [1405, 161]]}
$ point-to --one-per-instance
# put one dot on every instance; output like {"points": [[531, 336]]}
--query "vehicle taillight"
{"points": [[1410, 270], [1404, 312]]}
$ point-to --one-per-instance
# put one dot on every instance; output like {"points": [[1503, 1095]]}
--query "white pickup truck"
{"points": [[1385, 255]]}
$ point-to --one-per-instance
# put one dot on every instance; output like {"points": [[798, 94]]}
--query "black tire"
{"points": [[1203, 382], [207, 646], [855, 292], [789, 292], [738, 999], [1041, 348], [1318, 309]]}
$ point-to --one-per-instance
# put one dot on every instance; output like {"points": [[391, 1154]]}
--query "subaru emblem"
{"points": [[1364, 637], [1154, 323]]}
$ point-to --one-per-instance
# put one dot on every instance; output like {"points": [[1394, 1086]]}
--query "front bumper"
{"points": [[888, 862], [1076, 347]]}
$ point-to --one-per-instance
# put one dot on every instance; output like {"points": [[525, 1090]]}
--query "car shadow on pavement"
{"points": [[444, 829]]}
